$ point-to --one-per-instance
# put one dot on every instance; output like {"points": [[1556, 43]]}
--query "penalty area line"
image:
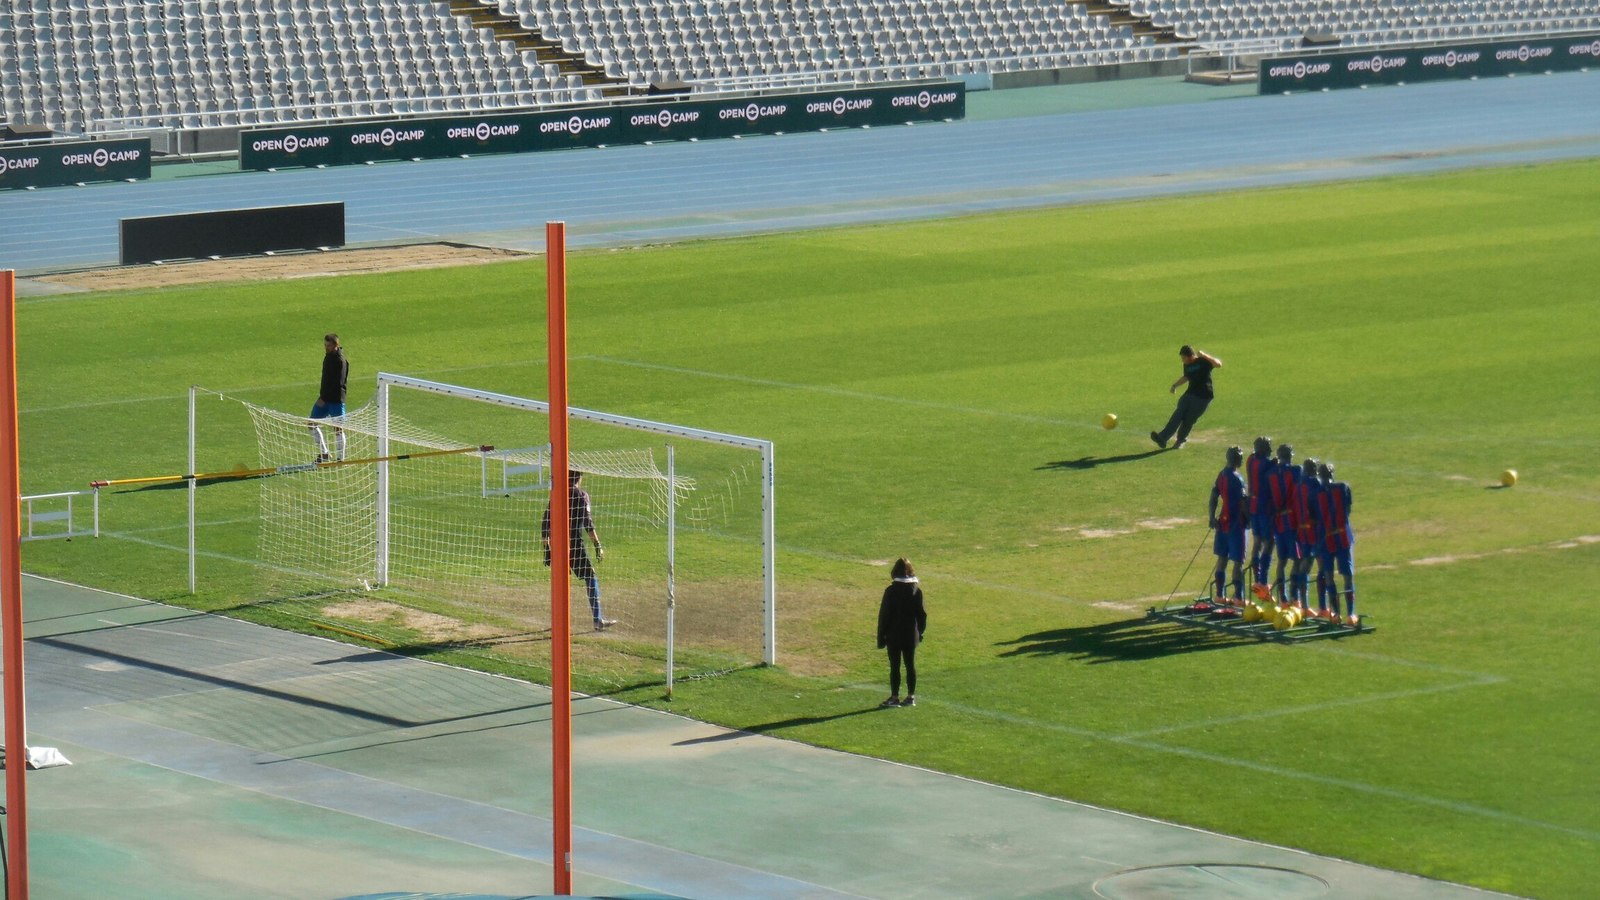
{"points": [[1274, 771], [840, 392], [1317, 707]]}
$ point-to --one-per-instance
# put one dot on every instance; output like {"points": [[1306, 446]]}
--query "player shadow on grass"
{"points": [[1128, 640], [1089, 462]]}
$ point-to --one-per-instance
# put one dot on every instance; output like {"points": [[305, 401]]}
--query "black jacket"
{"points": [[335, 376], [901, 617]]}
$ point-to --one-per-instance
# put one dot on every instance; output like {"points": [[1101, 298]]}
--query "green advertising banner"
{"points": [[1481, 59], [638, 123], [75, 162]]}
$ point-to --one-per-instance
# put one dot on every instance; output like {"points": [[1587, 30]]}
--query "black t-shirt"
{"points": [[580, 519], [1199, 374]]}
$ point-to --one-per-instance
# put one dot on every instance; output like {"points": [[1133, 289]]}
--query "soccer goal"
{"points": [[423, 528]]}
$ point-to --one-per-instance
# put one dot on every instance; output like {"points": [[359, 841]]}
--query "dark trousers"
{"points": [[908, 655], [1190, 408], [578, 558]]}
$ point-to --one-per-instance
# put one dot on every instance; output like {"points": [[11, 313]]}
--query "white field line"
{"points": [[1262, 768], [247, 389], [1134, 604], [1474, 678], [841, 392], [1328, 647], [208, 554], [250, 389], [94, 404], [166, 398], [1138, 739], [1318, 707], [1114, 604], [1571, 543]]}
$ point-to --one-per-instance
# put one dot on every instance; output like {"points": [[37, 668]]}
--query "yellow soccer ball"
{"points": [[1108, 421], [1252, 613], [1508, 477]]}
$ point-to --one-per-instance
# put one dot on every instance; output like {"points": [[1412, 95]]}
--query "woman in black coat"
{"points": [[901, 623]]}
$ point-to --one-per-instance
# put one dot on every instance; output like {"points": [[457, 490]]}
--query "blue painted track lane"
{"points": [[676, 191]]}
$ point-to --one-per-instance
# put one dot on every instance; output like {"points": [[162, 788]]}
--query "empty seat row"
{"points": [[80, 64]]}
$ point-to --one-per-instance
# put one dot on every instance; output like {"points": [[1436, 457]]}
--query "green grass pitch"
{"points": [[935, 390]]}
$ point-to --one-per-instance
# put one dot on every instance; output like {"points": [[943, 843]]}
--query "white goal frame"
{"points": [[769, 581]]}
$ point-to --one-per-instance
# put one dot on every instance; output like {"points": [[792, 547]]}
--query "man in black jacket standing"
{"points": [[330, 397]]}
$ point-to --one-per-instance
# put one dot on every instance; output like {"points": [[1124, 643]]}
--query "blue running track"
{"points": [[645, 194]]}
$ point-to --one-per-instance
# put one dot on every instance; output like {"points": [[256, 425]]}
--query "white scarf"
{"points": [[908, 580]]}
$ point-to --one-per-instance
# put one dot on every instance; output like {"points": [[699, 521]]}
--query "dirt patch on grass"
{"points": [[430, 626], [282, 266]]}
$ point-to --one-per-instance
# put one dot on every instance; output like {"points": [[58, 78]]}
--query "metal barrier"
{"points": [[33, 517]]}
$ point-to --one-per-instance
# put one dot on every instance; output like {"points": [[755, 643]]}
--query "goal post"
{"points": [[426, 532], [388, 383]]}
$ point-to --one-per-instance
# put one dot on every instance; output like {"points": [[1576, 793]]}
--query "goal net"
{"points": [[423, 530]]}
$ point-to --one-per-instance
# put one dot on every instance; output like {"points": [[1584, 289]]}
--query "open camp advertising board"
{"points": [[434, 138], [1406, 65], [73, 162]]}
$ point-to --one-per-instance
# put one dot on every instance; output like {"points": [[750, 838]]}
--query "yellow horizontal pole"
{"points": [[286, 470]]}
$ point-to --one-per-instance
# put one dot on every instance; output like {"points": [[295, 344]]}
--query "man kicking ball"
{"points": [[1197, 366]]}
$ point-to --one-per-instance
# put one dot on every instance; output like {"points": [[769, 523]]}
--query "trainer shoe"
{"points": [[909, 701], [603, 624], [1159, 442], [893, 700], [1179, 444], [322, 457], [1261, 592]]}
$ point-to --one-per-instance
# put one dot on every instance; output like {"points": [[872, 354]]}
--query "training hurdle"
{"points": [[1224, 619], [43, 512], [510, 469]]}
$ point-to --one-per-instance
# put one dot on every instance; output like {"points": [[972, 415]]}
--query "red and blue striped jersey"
{"points": [[1282, 489], [1257, 470], [1305, 509], [1229, 491], [1334, 505]]}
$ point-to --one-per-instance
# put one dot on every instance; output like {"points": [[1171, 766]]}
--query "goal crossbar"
{"points": [[387, 380]]}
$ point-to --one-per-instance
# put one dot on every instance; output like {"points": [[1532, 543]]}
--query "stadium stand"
{"points": [[101, 66]]}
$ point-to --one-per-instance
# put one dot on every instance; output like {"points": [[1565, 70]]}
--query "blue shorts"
{"points": [[321, 410], [1229, 544], [1261, 526], [1345, 561], [1288, 547]]}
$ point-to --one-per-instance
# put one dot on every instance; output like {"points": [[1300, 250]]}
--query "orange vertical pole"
{"points": [[16, 725], [555, 241]]}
